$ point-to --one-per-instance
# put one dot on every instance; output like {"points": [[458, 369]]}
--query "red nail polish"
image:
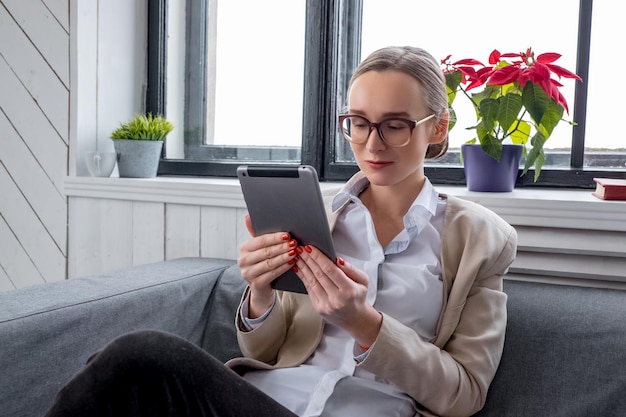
{"points": [[295, 268], [340, 261], [299, 250], [285, 236], [292, 261], [292, 243], [291, 252], [308, 249]]}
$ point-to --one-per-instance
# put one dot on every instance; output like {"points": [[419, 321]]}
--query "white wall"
{"points": [[70, 70]]}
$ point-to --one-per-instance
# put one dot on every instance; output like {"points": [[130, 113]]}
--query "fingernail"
{"points": [[285, 236], [295, 268], [299, 250], [292, 243], [340, 261], [308, 249], [292, 261], [291, 252]]}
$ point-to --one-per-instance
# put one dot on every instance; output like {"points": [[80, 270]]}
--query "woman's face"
{"points": [[378, 95]]}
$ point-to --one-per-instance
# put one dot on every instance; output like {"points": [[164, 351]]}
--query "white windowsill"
{"points": [[529, 207]]}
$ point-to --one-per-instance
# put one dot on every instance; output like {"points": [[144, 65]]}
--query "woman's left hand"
{"points": [[338, 293]]}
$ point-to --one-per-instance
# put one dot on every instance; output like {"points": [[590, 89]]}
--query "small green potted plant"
{"points": [[519, 105], [138, 143]]}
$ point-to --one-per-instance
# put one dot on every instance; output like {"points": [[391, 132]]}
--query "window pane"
{"points": [[453, 27], [254, 80], [604, 98]]}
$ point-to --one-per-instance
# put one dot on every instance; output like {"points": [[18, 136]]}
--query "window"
{"points": [[263, 82]]}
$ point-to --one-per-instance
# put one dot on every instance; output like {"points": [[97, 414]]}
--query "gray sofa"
{"points": [[564, 355]]}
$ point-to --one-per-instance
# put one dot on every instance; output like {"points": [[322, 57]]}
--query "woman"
{"points": [[408, 320], [417, 289]]}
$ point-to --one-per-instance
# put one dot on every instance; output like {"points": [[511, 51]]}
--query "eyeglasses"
{"points": [[395, 131]]}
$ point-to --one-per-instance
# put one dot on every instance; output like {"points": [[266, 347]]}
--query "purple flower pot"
{"points": [[483, 173]]}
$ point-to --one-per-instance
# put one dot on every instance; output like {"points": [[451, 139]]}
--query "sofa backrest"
{"points": [[564, 353]]}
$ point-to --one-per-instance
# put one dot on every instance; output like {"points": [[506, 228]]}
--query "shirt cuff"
{"points": [[251, 324], [359, 353]]}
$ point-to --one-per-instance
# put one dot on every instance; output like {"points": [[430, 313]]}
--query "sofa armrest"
{"points": [[48, 331]]}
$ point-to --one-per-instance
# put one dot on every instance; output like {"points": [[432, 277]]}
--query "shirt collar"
{"points": [[426, 201]]}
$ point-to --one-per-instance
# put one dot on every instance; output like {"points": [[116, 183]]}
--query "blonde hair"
{"points": [[422, 66]]}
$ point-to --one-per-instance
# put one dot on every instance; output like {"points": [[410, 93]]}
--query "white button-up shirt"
{"points": [[405, 283]]}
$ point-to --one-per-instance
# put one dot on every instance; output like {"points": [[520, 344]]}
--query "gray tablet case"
{"points": [[287, 199]]}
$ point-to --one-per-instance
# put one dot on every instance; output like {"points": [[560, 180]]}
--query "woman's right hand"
{"points": [[262, 259]]}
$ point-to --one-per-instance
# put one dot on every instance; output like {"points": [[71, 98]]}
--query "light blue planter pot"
{"points": [[138, 158]]}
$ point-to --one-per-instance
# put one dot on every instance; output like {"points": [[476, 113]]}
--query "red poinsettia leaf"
{"points": [[511, 55], [469, 72], [561, 100], [494, 57], [548, 57], [538, 73], [523, 79], [504, 75], [555, 82], [445, 60], [474, 84], [467, 61], [562, 72]]}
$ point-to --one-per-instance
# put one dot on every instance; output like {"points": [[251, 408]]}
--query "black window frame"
{"points": [[329, 52]]}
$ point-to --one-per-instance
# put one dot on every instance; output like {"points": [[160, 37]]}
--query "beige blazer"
{"points": [[449, 375]]}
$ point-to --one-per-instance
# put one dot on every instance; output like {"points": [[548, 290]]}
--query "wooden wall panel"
{"points": [[33, 126], [218, 233], [29, 231], [48, 86], [5, 282], [34, 184], [100, 235], [61, 11], [44, 30], [18, 269], [148, 232], [34, 137], [182, 231]]}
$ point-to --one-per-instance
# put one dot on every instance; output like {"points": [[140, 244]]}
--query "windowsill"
{"points": [[529, 207]]}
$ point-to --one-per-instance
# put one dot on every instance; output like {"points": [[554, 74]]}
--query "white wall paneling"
{"points": [[38, 54], [581, 247], [31, 234], [148, 232], [61, 11], [220, 232], [34, 137], [182, 231], [18, 270], [34, 184]]}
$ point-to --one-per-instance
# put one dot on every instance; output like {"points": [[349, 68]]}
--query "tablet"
{"points": [[287, 199]]}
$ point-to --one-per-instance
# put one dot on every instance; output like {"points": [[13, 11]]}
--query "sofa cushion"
{"points": [[48, 331], [564, 353]]}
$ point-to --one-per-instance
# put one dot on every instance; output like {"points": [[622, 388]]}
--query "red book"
{"points": [[610, 188]]}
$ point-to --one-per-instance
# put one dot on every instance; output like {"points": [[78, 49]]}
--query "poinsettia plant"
{"points": [[520, 100]]}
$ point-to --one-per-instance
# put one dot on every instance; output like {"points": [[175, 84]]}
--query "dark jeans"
{"points": [[151, 373]]}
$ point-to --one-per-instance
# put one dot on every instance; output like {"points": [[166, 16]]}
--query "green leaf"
{"points": [[508, 110], [551, 118], [453, 80], [489, 109], [492, 146], [452, 119], [535, 101], [521, 133], [143, 127], [535, 157]]}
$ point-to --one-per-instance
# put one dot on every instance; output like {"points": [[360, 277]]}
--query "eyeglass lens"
{"points": [[395, 132]]}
